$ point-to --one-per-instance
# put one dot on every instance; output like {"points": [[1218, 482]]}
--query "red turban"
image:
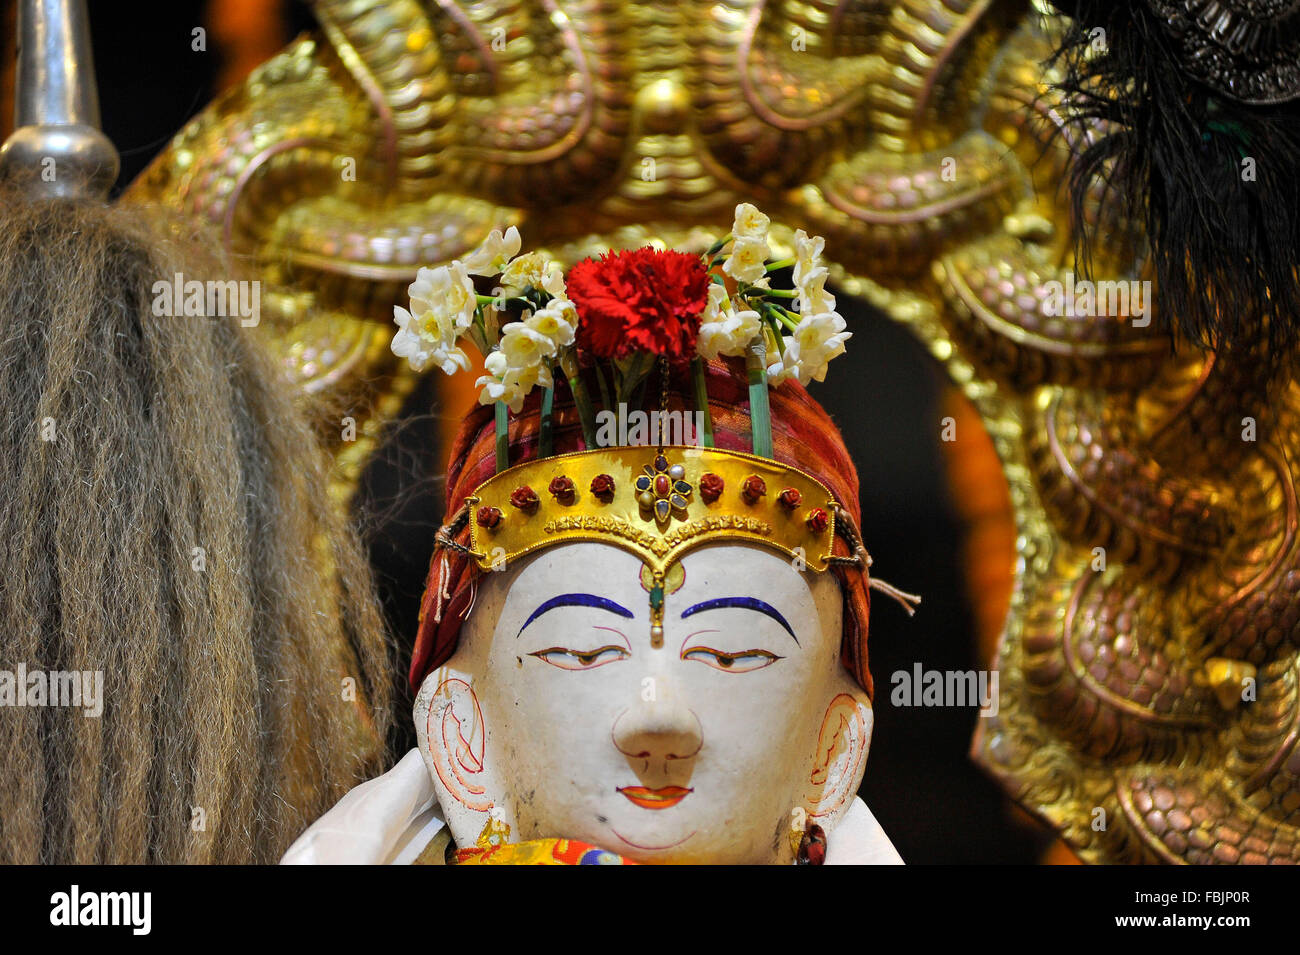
{"points": [[803, 436]]}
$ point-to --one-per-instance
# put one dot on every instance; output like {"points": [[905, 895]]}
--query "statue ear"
{"points": [[840, 759], [452, 735]]}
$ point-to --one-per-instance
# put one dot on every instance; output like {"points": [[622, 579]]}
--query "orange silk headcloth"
{"points": [[803, 436]]}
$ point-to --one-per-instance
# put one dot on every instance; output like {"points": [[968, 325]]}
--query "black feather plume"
{"points": [[1213, 182]]}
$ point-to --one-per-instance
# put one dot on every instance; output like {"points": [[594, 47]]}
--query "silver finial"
{"points": [[57, 149]]}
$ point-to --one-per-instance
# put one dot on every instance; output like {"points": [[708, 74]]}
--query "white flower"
{"points": [[557, 321], [729, 337], [528, 269], [553, 282], [493, 383], [781, 369], [406, 343], [404, 320], [495, 253], [536, 376], [450, 359], [747, 262], [511, 385], [444, 297], [422, 350], [813, 299], [724, 331], [807, 255], [719, 301], [750, 223], [443, 304], [814, 342], [524, 347]]}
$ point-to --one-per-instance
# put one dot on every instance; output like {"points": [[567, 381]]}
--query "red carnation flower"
{"points": [[639, 301]]}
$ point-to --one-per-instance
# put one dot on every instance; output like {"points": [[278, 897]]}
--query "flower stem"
{"points": [[639, 400], [502, 436], [634, 372], [546, 428], [717, 246], [702, 400], [779, 317], [501, 303], [477, 332], [491, 327], [775, 327], [581, 400], [604, 390], [780, 264], [760, 415]]}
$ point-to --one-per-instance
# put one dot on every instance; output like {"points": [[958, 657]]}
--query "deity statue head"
{"points": [[692, 689], [644, 643]]}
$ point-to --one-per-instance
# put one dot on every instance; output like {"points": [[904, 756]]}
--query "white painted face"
{"points": [[557, 710]]}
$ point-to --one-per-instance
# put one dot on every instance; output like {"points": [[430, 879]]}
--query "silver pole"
{"points": [[57, 149]]}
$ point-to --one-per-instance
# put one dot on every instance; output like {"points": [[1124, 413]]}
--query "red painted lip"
{"points": [[655, 798]]}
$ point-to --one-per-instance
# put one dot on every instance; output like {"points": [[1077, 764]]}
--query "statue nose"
{"points": [[658, 728]]}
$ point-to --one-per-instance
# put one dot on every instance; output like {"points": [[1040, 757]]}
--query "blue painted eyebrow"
{"points": [[576, 600], [745, 603]]}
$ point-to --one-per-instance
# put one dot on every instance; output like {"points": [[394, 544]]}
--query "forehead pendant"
{"points": [[657, 611], [662, 489]]}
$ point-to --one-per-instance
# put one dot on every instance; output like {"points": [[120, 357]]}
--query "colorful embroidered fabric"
{"points": [[540, 852]]}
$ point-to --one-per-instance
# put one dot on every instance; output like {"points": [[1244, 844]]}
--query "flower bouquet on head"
{"points": [[621, 314]]}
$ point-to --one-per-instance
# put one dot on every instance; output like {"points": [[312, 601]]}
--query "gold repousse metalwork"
{"points": [[624, 522], [1158, 561]]}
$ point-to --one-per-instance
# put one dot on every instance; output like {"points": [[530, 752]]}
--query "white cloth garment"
{"points": [[390, 819], [384, 821]]}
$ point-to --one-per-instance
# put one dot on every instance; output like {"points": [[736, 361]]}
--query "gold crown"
{"points": [[656, 503]]}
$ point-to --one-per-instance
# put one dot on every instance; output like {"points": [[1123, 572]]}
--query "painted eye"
{"points": [[742, 661], [567, 659]]}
